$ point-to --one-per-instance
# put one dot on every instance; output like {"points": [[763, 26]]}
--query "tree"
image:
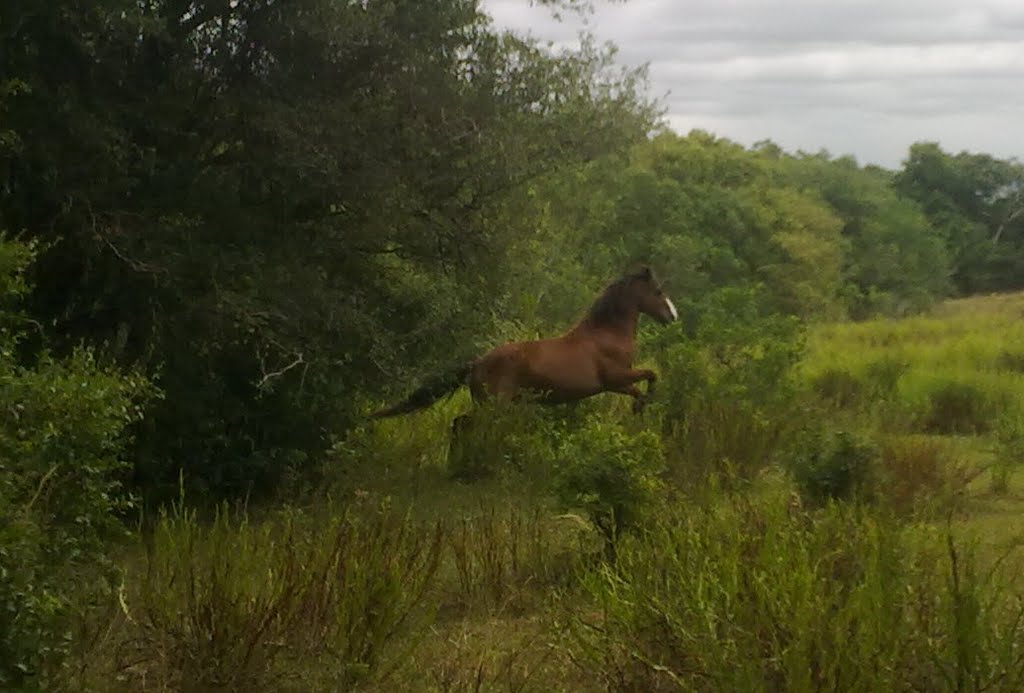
{"points": [[978, 203], [279, 208], [895, 260]]}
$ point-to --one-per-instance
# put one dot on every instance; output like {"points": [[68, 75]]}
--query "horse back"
{"points": [[560, 368]]}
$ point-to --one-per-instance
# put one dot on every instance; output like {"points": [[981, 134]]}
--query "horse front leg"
{"points": [[625, 384]]}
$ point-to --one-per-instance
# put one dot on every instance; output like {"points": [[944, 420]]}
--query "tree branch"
{"points": [[267, 377]]}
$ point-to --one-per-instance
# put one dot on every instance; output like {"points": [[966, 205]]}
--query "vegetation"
{"points": [[232, 229]]}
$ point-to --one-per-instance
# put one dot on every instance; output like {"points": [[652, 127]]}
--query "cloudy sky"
{"points": [[860, 77]]}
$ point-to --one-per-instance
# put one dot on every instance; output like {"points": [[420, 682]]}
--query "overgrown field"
{"points": [[229, 230], [860, 534]]}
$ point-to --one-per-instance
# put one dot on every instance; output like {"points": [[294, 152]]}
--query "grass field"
{"points": [[400, 577]]}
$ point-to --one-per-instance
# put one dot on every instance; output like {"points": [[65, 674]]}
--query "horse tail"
{"points": [[434, 389]]}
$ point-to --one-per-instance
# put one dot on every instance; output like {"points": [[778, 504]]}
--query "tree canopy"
{"points": [[276, 206]]}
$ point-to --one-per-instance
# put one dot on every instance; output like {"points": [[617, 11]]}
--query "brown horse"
{"points": [[595, 356]]}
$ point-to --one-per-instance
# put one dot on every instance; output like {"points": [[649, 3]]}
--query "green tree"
{"points": [[977, 202], [280, 208], [63, 429], [895, 261]]}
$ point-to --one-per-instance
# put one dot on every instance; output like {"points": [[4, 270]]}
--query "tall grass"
{"points": [[233, 604], [755, 595], [505, 560], [767, 535], [953, 371]]}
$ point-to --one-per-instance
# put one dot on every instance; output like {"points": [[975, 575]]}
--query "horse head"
{"points": [[649, 297]]}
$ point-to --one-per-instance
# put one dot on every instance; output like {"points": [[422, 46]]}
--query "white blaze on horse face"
{"points": [[671, 308]]}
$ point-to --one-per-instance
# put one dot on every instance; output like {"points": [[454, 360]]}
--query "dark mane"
{"points": [[610, 306]]}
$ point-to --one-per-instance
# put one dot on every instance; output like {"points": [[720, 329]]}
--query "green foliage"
{"points": [[877, 383], [1009, 434], [612, 475], [894, 261], [727, 395], [977, 202], [754, 595], [705, 211], [279, 212], [834, 466], [885, 374], [63, 431], [959, 407], [1011, 360], [839, 387], [309, 202], [949, 372], [499, 438], [920, 476]]}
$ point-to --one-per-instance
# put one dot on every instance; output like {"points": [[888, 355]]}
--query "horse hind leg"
{"points": [[459, 425], [457, 461]]}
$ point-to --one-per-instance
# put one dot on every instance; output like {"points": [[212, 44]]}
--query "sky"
{"points": [[860, 77]]}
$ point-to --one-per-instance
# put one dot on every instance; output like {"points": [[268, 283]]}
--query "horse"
{"points": [[594, 356]]}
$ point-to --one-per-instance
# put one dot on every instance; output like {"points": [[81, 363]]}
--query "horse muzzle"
{"points": [[671, 314]]}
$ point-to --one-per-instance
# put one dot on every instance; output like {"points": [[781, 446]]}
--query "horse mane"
{"points": [[609, 307]]}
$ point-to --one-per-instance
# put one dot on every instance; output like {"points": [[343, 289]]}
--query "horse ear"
{"points": [[640, 271]]}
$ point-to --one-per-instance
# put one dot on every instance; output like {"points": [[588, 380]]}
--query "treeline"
{"points": [[282, 213]]}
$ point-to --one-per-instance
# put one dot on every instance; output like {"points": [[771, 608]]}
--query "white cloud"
{"points": [[865, 77]]}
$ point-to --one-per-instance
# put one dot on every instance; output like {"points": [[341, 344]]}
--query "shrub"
{"points": [[1012, 361], [1009, 449], [839, 387], [726, 441], [499, 437], [833, 466], [885, 374], [959, 407], [843, 389], [915, 472], [611, 475], [728, 395], [63, 428]]}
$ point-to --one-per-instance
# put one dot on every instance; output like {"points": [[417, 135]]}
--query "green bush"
{"points": [[498, 438], [1012, 361], [919, 473], [839, 387], [833, 466], [885, 374], [63, 428], [1009, 435], [959, 407], [610, 474], [727, 395]]}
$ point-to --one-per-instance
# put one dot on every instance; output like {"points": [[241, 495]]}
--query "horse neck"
{"points": [[623, 325]]}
